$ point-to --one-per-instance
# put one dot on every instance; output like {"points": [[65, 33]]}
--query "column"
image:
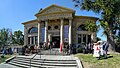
{"points": [[70, 36], [25, 36], [39, 33], [34, 40], [30, 40], [46, 32], [86, 38], [81, 38], [61, 35]]}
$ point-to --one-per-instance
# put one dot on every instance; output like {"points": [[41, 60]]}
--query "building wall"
{"points": [[52, 23], [26, 29]]}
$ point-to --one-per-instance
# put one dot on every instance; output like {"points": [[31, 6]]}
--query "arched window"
{"points": [[33, 30], [81, 28]]}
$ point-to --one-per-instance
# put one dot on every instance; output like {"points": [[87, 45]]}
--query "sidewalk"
{"points": [[7, 66]]}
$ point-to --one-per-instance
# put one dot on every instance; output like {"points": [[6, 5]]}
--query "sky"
{"points": [[14, 12]]}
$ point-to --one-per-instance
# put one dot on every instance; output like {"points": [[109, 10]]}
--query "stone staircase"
{"points": [[44, 62]]}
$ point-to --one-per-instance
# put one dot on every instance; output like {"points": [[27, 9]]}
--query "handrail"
{"points": [[31, 59]]}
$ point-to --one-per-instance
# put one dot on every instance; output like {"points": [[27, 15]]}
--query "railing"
{"points": [[31, 59]]}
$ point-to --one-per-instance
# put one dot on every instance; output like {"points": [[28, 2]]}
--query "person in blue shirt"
{"points": [[105, 50], [3, 53]]}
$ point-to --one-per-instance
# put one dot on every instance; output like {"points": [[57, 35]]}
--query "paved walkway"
{"points": [[55, 57], [7, 66]]}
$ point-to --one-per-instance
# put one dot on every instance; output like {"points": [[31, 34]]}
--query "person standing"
{"points": [[106, 50], [49, 46], [96, 50], [35, 49], [101, 48]]}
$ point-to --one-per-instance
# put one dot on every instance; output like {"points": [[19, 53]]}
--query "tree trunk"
{"points": [[111, 44], [110, 39]]}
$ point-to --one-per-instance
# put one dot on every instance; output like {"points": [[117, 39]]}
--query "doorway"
{"points": [[56, 40]]}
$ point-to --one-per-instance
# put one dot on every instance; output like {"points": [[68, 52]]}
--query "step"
{"points": [[40, 61], [59, 62], [55, 64], [48, 60], [17, 59], [43, 63], [22, 59], [46, 64], [19, 65], [32, 62], [57, 67], [24, 66]]}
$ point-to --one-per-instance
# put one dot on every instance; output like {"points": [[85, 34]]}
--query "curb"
{"points": [[9, 59], [79, 63]]}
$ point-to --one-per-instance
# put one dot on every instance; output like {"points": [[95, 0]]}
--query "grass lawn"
{"points": [[6, 57], [89, 61]]}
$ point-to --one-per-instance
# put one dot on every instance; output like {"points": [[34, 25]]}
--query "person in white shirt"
{"points": [[96, 48]]}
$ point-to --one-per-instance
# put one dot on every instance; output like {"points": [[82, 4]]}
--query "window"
{"points": [[33, 30], [84, 38], [36, 39], [79, 38], [56, 27], [32, 40], [89, 38], [28, 40], [81, 28]]}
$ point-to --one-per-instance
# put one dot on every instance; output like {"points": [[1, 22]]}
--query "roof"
{"points": [[87, 17], [69, 10], [30, 21]]}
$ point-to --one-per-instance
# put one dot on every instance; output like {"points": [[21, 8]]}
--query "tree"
{"points": [[5, 36], [18, 38], [91, 26], [110, 12]]}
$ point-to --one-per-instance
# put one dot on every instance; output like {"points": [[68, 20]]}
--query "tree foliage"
{"points": [[91, 26], [18, 38], [5, 36], [110, 14]]}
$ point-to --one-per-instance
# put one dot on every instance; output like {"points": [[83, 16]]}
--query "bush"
{"points": [[79, 50]]}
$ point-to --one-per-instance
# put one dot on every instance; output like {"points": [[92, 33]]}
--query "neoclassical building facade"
{"points": [[58, 24]]}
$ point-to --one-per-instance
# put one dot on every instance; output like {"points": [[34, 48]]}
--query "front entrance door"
{"points": [[56, 40]]}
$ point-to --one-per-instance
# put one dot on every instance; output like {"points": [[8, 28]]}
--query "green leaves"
{"points": [[18, 37], [4, 36], [91, 26]]}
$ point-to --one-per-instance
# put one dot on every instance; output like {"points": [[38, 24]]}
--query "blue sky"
{"points": [[14, 12]]}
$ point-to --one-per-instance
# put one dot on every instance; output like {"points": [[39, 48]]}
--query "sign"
{"points": [[66, 33], [43, 34], [55, 16]]}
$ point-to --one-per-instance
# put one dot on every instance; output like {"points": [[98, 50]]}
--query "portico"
{"points": [[60, 31]]}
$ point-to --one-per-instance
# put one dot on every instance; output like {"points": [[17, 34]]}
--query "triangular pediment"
{"points": [[55, 9]]}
